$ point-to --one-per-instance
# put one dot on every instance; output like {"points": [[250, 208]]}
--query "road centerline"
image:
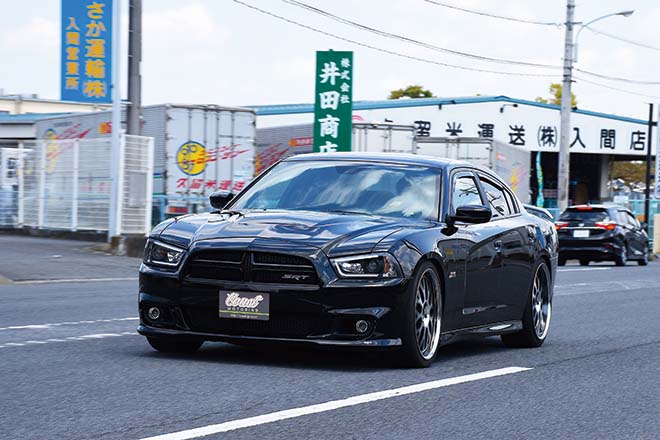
{"points": [[333, 405]]}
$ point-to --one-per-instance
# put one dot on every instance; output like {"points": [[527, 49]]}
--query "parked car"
{"points": [[539, 212], [353, 250], [601, 233]]}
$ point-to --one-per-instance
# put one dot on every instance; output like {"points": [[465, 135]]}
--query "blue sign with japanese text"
{"points": [[86, 66]]}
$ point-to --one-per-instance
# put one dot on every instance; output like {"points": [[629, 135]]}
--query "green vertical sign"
{"points": [[333, 103]]}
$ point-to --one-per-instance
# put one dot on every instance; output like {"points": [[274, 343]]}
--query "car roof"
{"points": [[397, 158]]}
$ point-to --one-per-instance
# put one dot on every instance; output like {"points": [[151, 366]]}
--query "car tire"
{"points": [[584, 262], [422, 318], [622, 258], [170, 345], [644, 261], [538, 312], [562, 261]]}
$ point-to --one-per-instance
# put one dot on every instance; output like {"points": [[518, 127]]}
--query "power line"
{"points": [[501, 17], [616, 78], [413, 41], [625, 40], [607, 86], [391, 52]]}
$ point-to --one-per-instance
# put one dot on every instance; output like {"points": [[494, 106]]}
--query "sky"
{"points": [[223, 52]]}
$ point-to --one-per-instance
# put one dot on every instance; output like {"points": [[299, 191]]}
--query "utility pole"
{"points": [[134, 112], [563, 168], [114, 227], [647, 191]]}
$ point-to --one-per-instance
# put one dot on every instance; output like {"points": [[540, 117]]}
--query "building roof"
{"points": [[286, 109]]}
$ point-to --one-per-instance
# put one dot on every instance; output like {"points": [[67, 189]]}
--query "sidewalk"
{"points": [[24, 258]]}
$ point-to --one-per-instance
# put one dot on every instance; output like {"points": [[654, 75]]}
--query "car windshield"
{"points": [[584, 215], [403, 191]]}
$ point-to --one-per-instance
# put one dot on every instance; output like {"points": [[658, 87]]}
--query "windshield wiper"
{"points": [[342, 211]]}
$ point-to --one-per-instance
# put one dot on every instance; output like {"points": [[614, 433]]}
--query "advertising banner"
{"points": [[86, 58], [333, 103]]}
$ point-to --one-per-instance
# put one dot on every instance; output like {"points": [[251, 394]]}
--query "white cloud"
{"points": [[37, 34]]}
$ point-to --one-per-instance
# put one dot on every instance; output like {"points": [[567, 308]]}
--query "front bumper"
{"points": [[300, 314], [163, 332]]}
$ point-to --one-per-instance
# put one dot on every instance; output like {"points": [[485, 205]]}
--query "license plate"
{"points": [[238, 304], [581, 233]]}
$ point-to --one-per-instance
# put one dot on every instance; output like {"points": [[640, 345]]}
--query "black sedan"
{"points": [[601, 233], [386, 251]]}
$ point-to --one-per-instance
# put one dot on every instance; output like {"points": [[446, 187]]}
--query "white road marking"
{"points": [[583, 269], [74, 280], [332, 405], [57, 324], [68, 339]]}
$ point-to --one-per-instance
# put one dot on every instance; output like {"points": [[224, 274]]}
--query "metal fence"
{"points": [[66, 185]]}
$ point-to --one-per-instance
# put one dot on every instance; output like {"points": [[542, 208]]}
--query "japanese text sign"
{"points": [[86, 59], [333, 103]]}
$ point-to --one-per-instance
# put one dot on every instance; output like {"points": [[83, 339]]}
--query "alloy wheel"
{"points": [[427, 314], [541, 305]]}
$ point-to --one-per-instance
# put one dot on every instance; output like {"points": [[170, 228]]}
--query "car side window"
{"points": [[632, 220], [465, 192], [496, 199], [623, 218], [512, 202]]}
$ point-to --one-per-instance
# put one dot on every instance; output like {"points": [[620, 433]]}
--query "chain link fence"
{"points": [[67, 185]]}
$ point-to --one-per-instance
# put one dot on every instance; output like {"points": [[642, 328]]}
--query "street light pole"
{"points": [[565, 112], [570, 56]]}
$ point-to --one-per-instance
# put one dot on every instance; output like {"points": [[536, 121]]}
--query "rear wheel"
{"points": [[584, 262], [170, 345], [622, 258], [645, 258], [538, 311], [423, 316], [562, 261]]}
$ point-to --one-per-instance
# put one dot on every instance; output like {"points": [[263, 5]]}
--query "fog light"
{"points": [[153, 313], [361, 326]]}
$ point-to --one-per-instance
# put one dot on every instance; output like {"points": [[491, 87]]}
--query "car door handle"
{"points": [[498, 246]]}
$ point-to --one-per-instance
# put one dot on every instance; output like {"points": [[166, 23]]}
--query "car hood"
{"points": [[335, 234]]}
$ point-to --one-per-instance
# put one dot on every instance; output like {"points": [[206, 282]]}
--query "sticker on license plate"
{"points": [[244, 305], [581, 233]]}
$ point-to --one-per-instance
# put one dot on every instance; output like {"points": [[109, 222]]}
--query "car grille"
{"points": [[260, 267]]}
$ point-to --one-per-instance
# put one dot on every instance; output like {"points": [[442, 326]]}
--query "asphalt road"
{"points": [[72, 367]]}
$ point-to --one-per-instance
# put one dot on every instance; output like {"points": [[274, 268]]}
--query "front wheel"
{"points": [[584, 262], [171, 345], [538, 311], [422, 318]]}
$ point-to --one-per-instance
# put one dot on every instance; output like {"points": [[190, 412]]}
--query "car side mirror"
{"points": [[219, 199], [471, 214], [644, 225]]}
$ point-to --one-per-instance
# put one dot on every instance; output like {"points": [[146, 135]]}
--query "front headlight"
{"points": [[367, 266], [161, 254]]}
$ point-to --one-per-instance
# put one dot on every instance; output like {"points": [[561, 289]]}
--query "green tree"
{"points": [[629, 171], [555, 92], [414, 91]]}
